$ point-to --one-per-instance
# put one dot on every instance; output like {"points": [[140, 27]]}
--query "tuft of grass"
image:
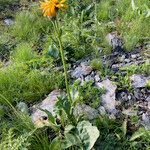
{"points": [[23, 53], [30, 24], [97, 64], [18, 82]]}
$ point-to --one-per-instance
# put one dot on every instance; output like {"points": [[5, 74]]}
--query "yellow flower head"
{"points": [[50, 7]]}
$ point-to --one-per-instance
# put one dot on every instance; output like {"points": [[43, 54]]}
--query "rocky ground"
{"points": [[115, 102]]}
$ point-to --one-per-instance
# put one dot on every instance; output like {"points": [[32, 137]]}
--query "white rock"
{"points": [[129, 112], [134, 56], [122, 58], [38, 116], [8, 22], [108, 99], [127, 60], [139, 81]]}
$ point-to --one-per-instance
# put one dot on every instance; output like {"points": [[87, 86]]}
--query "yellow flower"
{"points": [[50, 7]]}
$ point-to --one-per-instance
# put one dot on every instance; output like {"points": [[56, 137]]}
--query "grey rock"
{"points": [[89, 78], [97, 78], [127, 60], [85, 110], [149, 105], [102, 110], [108, 99], [114, 66], [23, 107], [84, 63], [8, 21], [146, 120], [114, 40], [122, 58], [139, 81], [81, 71], [139, 58], [123, 96], [148, 99], [137, 94], [47, 104]]}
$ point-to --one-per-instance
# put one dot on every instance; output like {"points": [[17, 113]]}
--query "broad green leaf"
{"points": [[53, 51], [88, 134], [56, 144], [69, 128], [70, 140]]}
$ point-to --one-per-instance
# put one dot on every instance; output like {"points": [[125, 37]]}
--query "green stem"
{"points": [[58, 35], [65, 69]]}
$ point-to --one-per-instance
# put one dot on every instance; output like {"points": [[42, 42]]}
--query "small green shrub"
{"points": [[134, 69]]}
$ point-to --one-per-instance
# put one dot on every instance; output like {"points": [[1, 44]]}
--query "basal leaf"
{"points": [[88, 134]]}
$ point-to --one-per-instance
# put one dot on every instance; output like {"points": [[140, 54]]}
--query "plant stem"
{"points": [[57, 29], [65, 68]]}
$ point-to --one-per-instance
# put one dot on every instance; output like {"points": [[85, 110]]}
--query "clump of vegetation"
{"points": [[89, 94], [29, 25], [97, 64], [23, 53], [19, 83]]}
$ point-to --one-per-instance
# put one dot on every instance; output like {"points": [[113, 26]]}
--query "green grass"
{"points": [[23, 53], [19, 83], [30, 24]]}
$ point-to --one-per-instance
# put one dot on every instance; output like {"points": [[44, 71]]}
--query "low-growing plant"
{"points": [[88, 93], [11, 142], [124, 82], [144, 136], [135, 69]]}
